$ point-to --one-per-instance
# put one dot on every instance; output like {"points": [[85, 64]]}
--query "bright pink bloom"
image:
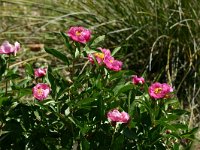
{"points": [[99, 56], [104, 57], [137, 80], [41, 91], [115, 116], [110, 61], [7, 48], [79, 34], [158, 90], [113, 64], [124, 117], [40, 72]]}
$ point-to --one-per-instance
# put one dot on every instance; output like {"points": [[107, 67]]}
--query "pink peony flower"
{"points": [[41, 91], [115, 116], [40, 72], [99, 56], [158, 90], [79, 34], [137, 80], [7, 48], [124, 117], [113, 64], [104, 57]]}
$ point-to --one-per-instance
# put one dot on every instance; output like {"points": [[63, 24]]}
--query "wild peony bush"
{"points": [[98, 105]]}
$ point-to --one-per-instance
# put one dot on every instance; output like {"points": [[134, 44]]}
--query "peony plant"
{"points": [[97, 105]]}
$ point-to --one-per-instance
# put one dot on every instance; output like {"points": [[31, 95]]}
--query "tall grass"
{"points": [[159, 39]]}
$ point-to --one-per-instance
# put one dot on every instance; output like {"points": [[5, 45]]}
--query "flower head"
{"points": [[99, 56], [40, 72], [113, 64], [79, 34], [104, 57], [116, 116], [159, 90], [138, 80], [41, 91], [7, 48]]}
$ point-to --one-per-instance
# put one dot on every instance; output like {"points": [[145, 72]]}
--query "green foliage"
{"points": [[74, 114]]}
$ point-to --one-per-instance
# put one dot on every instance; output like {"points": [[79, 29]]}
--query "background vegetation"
{"points": [[158, 39]]}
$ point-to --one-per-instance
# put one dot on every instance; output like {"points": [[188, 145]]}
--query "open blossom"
{"points": [[40, 72], [104, 57], [116, 116], [41, 91], [7, 48], [99, 56], [79, 34], [160, 90], [113, 64], [138, 80]]}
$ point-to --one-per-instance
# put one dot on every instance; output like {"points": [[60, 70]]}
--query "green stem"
{"points": [[129, 101], [113, 136], [8, 64]]}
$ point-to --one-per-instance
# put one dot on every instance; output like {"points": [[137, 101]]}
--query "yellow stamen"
{"points": [[157, 90], [39, 92], [78, 33], [100, 55], [111, 61]]}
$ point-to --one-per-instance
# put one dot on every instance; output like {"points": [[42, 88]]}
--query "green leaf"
{"points": [[2, 66], [122, 88], [57, 54], [2, 99], [97, 40], [67, 111], [115, 50], [65, 37], [25, 91], [130, 133], [29, 69], [77, 53], [37, 115], [180, 112], [12, 76], [85, 145], [168, 118], [85, 101], [52, 80], [118, 143]]}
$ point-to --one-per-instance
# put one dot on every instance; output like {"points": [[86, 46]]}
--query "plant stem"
{"points": [[129, 102], [8, 64], [113, 137]]}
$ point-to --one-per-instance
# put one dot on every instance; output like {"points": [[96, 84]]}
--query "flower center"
{"points": [[157, 90], [39, 92], [78, 33], [100, 55], [111, 61]]}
